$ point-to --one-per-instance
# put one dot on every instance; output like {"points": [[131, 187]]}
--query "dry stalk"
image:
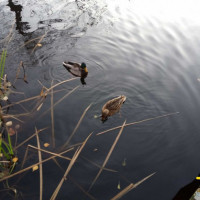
{"points": [[33, 135], [60, 100], [30, 167], [76, 154], [130, 187], [138, 122], [77, 126], [81, 188], [52, 119], [27, 43], [25, 157], [49, 152], [93, 163], [108, 155], [38, 42], [60, 83], [40, 160]]}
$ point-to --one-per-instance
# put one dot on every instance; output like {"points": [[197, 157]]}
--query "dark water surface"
{"points": [[147, 51]]}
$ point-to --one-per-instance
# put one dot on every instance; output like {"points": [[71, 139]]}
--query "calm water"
{"points": [[146, 51]]}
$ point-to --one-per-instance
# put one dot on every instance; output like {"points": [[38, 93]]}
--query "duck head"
{"points": [[83, 66], [104, 115]]}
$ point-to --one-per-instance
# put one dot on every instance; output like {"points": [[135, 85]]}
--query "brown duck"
{"points": [[112, 107]]}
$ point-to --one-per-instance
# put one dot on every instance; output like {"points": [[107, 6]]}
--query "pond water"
{"points": [[145, 50]]}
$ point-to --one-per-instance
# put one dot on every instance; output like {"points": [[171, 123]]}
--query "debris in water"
{"points": [[95, 149], [34, 168], [9, 123], [11, 131], [95, 116], [119, 186], [5, 98], [17, 126], [46, 144], [124, 162], [39, 45], [15, 159]]}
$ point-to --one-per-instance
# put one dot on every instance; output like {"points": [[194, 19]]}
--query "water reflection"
{"points": [[20, 26]]}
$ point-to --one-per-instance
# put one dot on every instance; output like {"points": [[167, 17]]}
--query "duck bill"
{"points": [[86, 69]]}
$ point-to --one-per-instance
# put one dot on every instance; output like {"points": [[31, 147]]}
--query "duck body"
{"points": [[76, 69], [112, 107]]}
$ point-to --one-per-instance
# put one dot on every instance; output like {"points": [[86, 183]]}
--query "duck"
{"points": [[77, 69], [112, 106]]}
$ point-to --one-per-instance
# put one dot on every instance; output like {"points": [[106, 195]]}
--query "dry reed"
{"points": [[108, 155], [138, 122], [76, 154], [77, 126], [30, 167], [40, 165], [130, 187]]}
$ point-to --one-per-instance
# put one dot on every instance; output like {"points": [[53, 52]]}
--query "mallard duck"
{"points": [[76, 69], [112, 106]]}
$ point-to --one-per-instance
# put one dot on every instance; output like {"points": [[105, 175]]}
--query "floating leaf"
{"points": [[9, 123], [5, 98], [11, 131], [46, 144], [124, 162], [17, 126], [34, 168], [39, 45], [119, 186], [15, 159]]}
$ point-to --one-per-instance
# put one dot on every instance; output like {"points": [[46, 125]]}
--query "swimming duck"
{"points": [[112, 107], [76, 69]]}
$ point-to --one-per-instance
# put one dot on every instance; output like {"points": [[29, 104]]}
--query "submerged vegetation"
{"points": [[10, 124]]}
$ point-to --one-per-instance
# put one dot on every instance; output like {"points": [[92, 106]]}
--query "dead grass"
{"points": [[76, 154], [108, 156], [138, 122]]}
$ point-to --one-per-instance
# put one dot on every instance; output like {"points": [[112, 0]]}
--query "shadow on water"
{"points": [[20, 25], [186, 192]]}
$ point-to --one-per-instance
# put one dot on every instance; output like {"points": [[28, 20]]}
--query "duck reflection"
{"points": [[20, 26], [186, 192], [77, 69]]}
